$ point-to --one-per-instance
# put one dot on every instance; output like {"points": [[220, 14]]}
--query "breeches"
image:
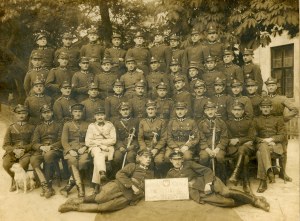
{"points": [[49, 157], [81, 161]]}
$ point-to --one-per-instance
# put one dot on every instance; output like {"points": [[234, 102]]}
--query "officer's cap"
{"points": [[40, 35], [178, 78], [195, 31], [92, 86], [139, 34], [211, 29], [251, 82], [237, 104], [153, 60], [210, 104], [63, 55], [140, 83], [181, 105], [174, 62], [174, 37], [248, 51], [118, 83], [67, 35], [219, 81], [150, 103], [199, 83], [77, 107], [176, 155], [193, 65], [65, 84], [92, 30], [39, 81], [124, 105], [210, 58], [161, 85], [144, 152], [106, 60], [129, 59], [116, 35], [45, 108], [20, 108], [227, 52], [100, 110], [84, 60], [271, 80], [36, 55], [266, 102], [236, 82]]}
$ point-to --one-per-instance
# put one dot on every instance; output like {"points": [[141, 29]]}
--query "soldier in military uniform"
{"points": [[174, 71], [75, 150], [161, 52], [164, 105], [270, 139], [105, 79], [199, 100], [126, 127], [35, 101], [138, 101], [183, 134], [117, 54], [46, 143], [251, 70], [93, 50], [132, 76], [155, 77], [251, 89], [209, 152], [241, 136], [204, 187], [100, 139], [194, 74], [152, 136], [62, 105], [71, 51], [58, 75], [127, 189], [82, 79], [113, 102], [17, 143], [140, 53], [92, 103], [37, 72], [177, 53]]}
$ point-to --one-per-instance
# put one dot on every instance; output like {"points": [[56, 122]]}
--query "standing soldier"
{"points": [[82, 79], [117, 54], [17, 143], [93, 50], [193, 75], [46, 143], [71, 51], [251, 70], [199, 100], [251, 89], [174, 71], [138, 101], [163, 103], [177, 53], [152, 136], [140, 53]]}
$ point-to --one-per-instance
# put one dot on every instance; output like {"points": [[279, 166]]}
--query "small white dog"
{"points": [[24, 180]]}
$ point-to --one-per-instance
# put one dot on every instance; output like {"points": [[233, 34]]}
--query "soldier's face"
{"points": [[227, 58], [181, 112], [38, 88], [237, 112], [118, 89], [47, 116], [271, 88], [99, 117], [154, 66], [219, 88], [199, 91], [93, 92], [116, 42], [210, 65], [93, 37], [195, 38], [63, 62], [77, 114], [140, 90], [145, 160], [66, 91], [130, 65], [21, 116], [236, 90], [139, 40], [42, 42], [174, 68], [36, 63], [210, 112], [161, 92], [265, 110], [177, 162], [158, 38], [212, 36], [247, 57], [179, 85], [193, 72], [125, 112], [151, 111], [174, 43], [84, 66], [67, 42], [106, 66], [251, 89]]}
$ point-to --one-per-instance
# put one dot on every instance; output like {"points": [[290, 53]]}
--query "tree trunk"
{"points": [[106, 25]]}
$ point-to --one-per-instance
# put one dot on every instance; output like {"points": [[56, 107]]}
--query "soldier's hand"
{"points": [[234, 141], [122, 149], [216, 151], [184, 148], [82, 150], [207, 188], [154, 152], [73, 153], [209, 151], [135, 189]]}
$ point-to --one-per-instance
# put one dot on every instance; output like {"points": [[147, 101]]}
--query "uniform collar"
{"points": [[84, 72], [143, 167], [125, 118], [37, 69], [181, 119], [39, 95], [238, 119], [42, 48], [199, 97], [272, 95], [114, 47], [118, 95], [101, 124], [93, 99], [67, 47], [249, 62], [48, 122], [229, 65], [178, 169], [66, 97], [219, 95], [151, 119], [237, 96], [21, 123], [65, 68]]}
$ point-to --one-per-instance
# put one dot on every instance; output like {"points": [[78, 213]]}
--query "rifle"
{"points": [[130, 138]]}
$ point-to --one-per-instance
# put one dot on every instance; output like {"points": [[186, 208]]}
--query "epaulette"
{"points": [[58, 98]]}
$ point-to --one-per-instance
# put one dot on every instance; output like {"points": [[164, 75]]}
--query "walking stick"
{"points": [[130, 138], [213, 143]]}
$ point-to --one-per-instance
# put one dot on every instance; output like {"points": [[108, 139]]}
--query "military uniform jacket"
{"points": [[91, 105], [47, 55], [142, 56], [184, 96], [242, 129], [232, 71], [152, 133], [132, 77], [73, 135], [18, 136], [32, 75], [73, 54], [178, 54], [198, 175], [153, 79], [104, 82], [206, 131], [164, 108], [193, 53], [255, 100], [80, 82], [47, 133], [198, 107], [172, 77], [223, 103], [252, 71], [112, 104], [124, 128], [94, 51], [138, 104], [62, 107], [244, 100], [116, 53], [209, 77], [214, 49], [180, 131], [124, 178], [163, 53], [56, 77]]}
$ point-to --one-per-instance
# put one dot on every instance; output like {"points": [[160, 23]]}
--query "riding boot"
{"points": [[246, 183], [65, 191], [271, 176], [234, 176], [51, 191], [282, 164], [44, 184], [262, 186], [78, 181]]}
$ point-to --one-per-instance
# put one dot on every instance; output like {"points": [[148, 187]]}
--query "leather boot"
{"points": [[64, 208], [246, 183], [43, 181], [65, 191], [12, 185], [271, 176], [234, 176], [77, 178], [262, 186], [50, 192], [103, 177], [282, 164]]}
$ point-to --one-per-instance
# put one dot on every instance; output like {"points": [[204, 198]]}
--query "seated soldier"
{"points": [[270, 138], [241, 135], [127, 189], [152, 136], [46, 142], [17, 143], [204, 187], [100, 139], [213, 128]]}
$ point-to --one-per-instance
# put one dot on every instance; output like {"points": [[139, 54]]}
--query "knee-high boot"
{"points": [[234, 176], [46, 191], [65, 190], [282, 164], [78, 181], [246, 182]]}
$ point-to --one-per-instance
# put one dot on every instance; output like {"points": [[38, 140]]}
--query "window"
{"points": [[282, 68]]}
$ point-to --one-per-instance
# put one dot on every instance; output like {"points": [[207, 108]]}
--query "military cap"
{"points": [[118, 83], [20, 108], [39, 81], [210, 58], [236, 82], [65, 84], [227, 52], [151, 103], [210, 104], [63, 55], [106, 60], [140, 83], [84, 60], [92, 30], [77, 107], [174, 62], [219, 81], [174, 37], [266, 102], [92, 86], [248, 51], [178, 78], [144, 152], [176, 155], [100, 110], [195, 31], [116, 35], [211, 29], [129, 59], [271, 80], [161, 85], [124, 105], [45, 108], [36, 55], [40, 35], [251, 82], [139, 34], [153, 60], [238, 104], [181, 105], [199, 83], [67, 35], [157, 32], [193, 65]]}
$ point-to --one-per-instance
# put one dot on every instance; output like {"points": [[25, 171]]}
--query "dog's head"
{"points": [[16, 167]]}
